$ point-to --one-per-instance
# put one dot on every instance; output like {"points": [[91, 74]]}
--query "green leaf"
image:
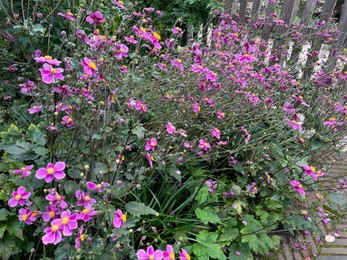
{"points": [[206, 248], [6, 248], [138, 209], [70, 187], [207, 215], [139, 131], [23, 151], [35, 135], [229, 232], [243, 249], [14, 228], [202, 195], [2, 231], [3, 214], [337, 198], [252, 225]]}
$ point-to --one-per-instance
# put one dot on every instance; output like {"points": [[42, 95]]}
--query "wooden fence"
{"points": [[291, 12]]}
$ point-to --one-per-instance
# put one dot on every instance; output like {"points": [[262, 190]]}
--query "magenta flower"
{"points": [[211, 185], [130, 39], [51, 213], [119, 219], [86, 214], [151, 144], [171, 129], [169, 254], [177, 30], [80, 237], [247, 134], [294, 124], [298, 187], [150, 254], [53, 235], [89, 67], [184, 255], [120, 4], [318, 174], [309, 170], [65, 90], [27, 87], [332, 122], [216, 133], [34, 109], [25, 171], [56, 199], [220, 114], [68, 15], [50, 74], [19, 197], [67, 222], [140, 106], [204, 144], [24, 215], [68, 121], [47, 59], [150, 159], [122, 51], [95, 18], [51, 171], [196, 108], [99, 187], [84, 199]]}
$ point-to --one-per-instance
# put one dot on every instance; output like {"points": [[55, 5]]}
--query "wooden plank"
{"points": [[289, 12], [342, 37], [255, 10], [308, 11], [328, 10], [231, 6], [243, 9], [270, 10]]}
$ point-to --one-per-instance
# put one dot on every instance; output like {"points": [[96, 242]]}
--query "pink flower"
{"points": [[34, 109], [120, 4], [53, 235], [67, 222], [80, 237], [50, 74], [150, 254], [47, 59], [56, 199], [19, 197], [140, 106], [27, 87], [25, 171], [84, 199], [211, 75], [89, 67], [184, 255], [169, 254], [204, 144], [298, 187], [65, 90], [68, 121], [27, 215], [170, 128], [119, 219], [130, 39], [151, 144], [150, 159], [294, 124], [99, 187], [68, 15], [86, 213], [318, 174], [51, 213], [186, 144], [332, 122], [220, 114], [309, 170], [177, 30], [95, 18], [247, 134], [216, 133], [196, 108], [122, 51], [51, 171]]}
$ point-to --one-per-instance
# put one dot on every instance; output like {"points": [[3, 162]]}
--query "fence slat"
{"points": [[328, 10], [255, 9], [342, 38], [308, 11], [288, 12], [231, 6], [270, 10], [243, 9]]}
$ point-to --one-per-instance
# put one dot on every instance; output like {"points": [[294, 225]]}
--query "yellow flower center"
{"points": [[121, 50], [87, 198], [312, 168], [152, 143], [121, 2], [151, 257], [47, 57], [69, 13], [179, 60], [205, 144], [65, 220], [332, 119], [217, 130], [55, 228], [188, 256], [53, 71], [57, 197], [299, 186], [172, 255], [82, 237], [50, 171], [293, 121], [124, 218], [69, 120], [92, 65], [143, 29], [156, 35], [18, 197], [99, 186], [24, 217], [245, 55], [85, 211], [35, 213], [51, 214]]}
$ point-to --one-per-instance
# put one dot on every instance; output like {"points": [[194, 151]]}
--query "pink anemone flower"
{"points": [[119, 219], [150, 254], [51, 171], [19, 197], [53, 235], [50, 74], [298, 187]]}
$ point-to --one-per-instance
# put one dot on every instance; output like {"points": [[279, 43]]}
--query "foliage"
{"points": [[116, 138]]}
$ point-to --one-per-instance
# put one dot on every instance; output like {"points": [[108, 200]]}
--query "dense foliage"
{"points": [[117, 143]]}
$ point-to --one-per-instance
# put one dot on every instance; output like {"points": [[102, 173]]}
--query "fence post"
{"points": [[255, 10], [243, 9]]}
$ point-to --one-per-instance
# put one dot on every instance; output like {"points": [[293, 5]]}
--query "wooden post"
{"points": [[328, 10], [307, 13], [288, 13], [243, 9], [255, 10], [230, 6], [270, 10]]}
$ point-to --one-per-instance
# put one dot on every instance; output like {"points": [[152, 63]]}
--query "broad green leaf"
{"points": [[139, 131], [21, 151], [202, 195], [207, 248], [229, 232], [70, 187], [3, 214], [337, 198], [14, 227], [138, 209], [207, 215], [6, 247], [243, 249], [35, 135]]}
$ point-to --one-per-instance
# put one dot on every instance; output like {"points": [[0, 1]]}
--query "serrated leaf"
{"points": [[207, 215], [2, 231], [337, 198], [3, 214], [139, 131], [229, 232], [35, 135], [21, 151], [14, 227], [206, 248], [138, 209], [202, 195], [70, 187]]}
